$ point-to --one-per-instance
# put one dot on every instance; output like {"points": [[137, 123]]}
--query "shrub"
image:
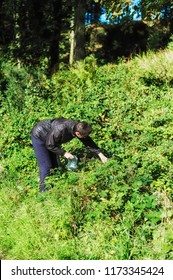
{"points": [[111, 211]]}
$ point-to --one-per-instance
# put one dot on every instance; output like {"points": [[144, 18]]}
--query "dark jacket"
{"points": [[58, 131]]}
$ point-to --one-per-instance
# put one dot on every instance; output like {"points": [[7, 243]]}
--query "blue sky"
{"points": [[105, 20]]}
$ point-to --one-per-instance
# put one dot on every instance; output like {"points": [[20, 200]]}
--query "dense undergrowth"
{"points": [[122, 209]]}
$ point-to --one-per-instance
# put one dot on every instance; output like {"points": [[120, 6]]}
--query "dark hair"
{"points": [[83, 128]]}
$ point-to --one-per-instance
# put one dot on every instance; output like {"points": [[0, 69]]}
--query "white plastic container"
{"points": [[72, 163]]}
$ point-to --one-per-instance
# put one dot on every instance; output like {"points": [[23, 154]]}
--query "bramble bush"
{"points": [[118, 210]]}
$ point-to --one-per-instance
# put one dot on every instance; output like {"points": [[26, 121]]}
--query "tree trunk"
{"points": [[72, 41], [79, 29], [54, 43]]}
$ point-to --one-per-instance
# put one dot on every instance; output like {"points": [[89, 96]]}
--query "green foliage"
{"points": [[118, 210]]}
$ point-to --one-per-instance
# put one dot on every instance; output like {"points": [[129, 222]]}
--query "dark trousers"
{"points": [[46, 160]]}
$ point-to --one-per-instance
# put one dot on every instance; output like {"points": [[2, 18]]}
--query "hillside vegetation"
{"points": [[122, 209]]}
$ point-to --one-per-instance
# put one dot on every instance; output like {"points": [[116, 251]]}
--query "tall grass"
{"points": [[118, 210]]}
